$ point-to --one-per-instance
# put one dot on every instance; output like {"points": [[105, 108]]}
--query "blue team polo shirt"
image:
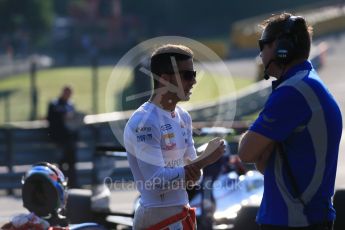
{"points": [[303, 115]]}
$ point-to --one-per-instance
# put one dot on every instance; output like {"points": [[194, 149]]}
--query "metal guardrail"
{"points": [[247, 101], [324, 19]]}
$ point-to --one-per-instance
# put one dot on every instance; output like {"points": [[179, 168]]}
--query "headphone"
{"points": [[287, 42]]}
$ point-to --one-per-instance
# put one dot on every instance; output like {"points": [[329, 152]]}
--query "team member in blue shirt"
{"points": [[294, 141]]}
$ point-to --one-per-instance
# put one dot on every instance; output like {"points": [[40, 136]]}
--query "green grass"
{"points": [[50, 82]]}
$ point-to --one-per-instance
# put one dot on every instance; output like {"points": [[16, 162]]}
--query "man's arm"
{"points": [[214, 150], [261, 163], [255, 148]]}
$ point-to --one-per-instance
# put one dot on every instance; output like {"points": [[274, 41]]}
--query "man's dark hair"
{"points": [[161, 60], [300, 32]]}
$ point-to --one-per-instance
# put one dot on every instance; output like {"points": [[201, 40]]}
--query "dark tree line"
{"points": [[33, 17]]}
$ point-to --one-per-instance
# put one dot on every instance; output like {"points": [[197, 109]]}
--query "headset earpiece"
{"points": [[287, 43], [284, 50]]}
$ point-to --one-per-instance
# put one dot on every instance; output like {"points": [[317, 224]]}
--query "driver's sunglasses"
{"points": [[263, 42], [187, 75]]}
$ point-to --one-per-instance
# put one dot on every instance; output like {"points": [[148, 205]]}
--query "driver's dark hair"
{"points": [[300, 31], [161, 59]]}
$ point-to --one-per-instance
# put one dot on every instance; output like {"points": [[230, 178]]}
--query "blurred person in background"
{"points": [[61, 114], [294, 141]]}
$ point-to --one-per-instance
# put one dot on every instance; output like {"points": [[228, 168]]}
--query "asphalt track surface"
{"points": [[333, 74]]}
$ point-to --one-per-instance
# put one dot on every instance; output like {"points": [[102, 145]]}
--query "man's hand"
{"points": [[214, 150], [237, 163], [192, 174]]}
